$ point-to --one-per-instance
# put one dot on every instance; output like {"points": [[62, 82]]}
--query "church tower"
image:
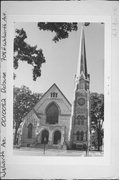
{"points": [[79, 129]]}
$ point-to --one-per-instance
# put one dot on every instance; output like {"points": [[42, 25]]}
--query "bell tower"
{"points": [[79, 129]]}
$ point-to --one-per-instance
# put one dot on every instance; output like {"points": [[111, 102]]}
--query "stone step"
{"points": [[47, 146]]}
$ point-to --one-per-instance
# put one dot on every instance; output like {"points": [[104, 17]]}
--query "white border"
{"points": [[48, 160]]}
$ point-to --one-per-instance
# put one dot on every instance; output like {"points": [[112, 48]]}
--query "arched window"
{"points": [[30, 129], [80, 119], [79, 136], [52, 114], [57, 137], [82, 135]]}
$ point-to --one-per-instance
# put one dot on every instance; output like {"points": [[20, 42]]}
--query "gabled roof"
{"points": [[59, 91], [33, 109]]}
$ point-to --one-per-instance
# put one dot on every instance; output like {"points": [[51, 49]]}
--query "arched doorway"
{"points": [[57, 137], [44, 137]]}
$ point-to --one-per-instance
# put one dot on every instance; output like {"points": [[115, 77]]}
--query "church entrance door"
{"points": [[57, 137], [44, 137]]}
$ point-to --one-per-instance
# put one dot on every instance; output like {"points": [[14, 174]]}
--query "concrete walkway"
{"points": [[26, 151]]}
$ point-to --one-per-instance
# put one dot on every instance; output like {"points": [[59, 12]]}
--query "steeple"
{"points": [[82, 65], [79, 128]]}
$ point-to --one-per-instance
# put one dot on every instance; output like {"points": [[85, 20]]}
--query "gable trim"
{"points": [[49, 90], [33, 109]]}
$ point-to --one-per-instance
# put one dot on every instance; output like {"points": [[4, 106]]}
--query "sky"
{"points": [[62, 59]]}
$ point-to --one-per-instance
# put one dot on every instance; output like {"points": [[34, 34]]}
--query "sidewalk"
{"points": [[25, 151]]}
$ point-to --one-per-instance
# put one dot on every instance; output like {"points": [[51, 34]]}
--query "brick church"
{"points": [[54, 121]]}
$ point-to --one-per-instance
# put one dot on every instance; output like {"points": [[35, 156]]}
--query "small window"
{"points": [[79, 136], [80, 119], [82, 135], [53, 94]]}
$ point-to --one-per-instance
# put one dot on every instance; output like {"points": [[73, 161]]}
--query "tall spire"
{"points": [[80, 108], [82, 65]]}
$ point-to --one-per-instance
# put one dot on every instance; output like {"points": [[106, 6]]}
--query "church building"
{"points": [[48, 122], [54, 121]]}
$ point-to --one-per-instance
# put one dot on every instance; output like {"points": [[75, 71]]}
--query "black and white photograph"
{"points": [[58, 91]]}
